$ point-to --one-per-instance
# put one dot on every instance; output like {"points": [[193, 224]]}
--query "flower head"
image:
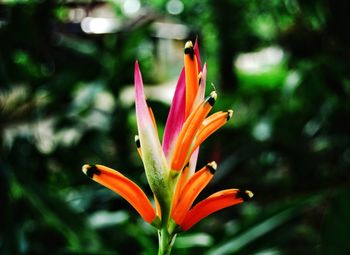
{"points": [[170, 166]]}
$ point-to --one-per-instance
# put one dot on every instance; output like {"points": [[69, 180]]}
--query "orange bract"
{"points": [[210, 125], [193, 187], [180, 185], [170, 165], [152, 116], [124, 187], [191, 73], [213, 203], [189, 131]]}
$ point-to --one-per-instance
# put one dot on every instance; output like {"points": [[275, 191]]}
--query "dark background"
{"points": [[282, 66]]}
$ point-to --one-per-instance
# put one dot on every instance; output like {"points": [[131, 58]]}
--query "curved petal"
{"points": [[193, 162], [191, 190], [152, 117], [202, 85], [198, 100], [180, 185], [153, 158], [214, 203], [196, 52], [176, 116], [210, 125], [188, 132], [123, 186], [191, 75]]}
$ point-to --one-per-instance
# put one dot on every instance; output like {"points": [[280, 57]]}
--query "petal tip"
{"points": [[213, 94], [188, 44], [212, 98], [189, 48], [137, 141], [200, 77], [85, 168], [229, 114], [249, 193], [90, 170], [244, 195], [212, 166]]}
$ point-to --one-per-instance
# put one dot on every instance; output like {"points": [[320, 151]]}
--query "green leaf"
{"points": [[193, 240], [336, 230], [259, 229]]}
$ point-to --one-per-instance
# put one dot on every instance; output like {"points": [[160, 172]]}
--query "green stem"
{"points": [[166, 241], [166, 235], [165, 238]]}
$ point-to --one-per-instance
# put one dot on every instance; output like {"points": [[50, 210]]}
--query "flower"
{"points": [[170, 166]]}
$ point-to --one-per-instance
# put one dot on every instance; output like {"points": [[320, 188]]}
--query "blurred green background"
{"points": [[66, 98]]}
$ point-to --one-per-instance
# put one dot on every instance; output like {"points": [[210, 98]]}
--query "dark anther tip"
{"points": [[91, 170], [245, 195], [186, 166], [200, 75], [212, 98], [212, 166], [189, 49], [211, 101], [229, 114], [137, 141]]}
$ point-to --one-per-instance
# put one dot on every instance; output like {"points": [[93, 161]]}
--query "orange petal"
{"points": [[126, 188], [210, 125], [152, 116], [158, 209], [193, 187], [191, 73], [179, 185], [214, 203], [202, 78], [189, 130]]}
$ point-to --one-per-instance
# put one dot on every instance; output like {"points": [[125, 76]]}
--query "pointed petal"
{"points": [[126, 188], [202, 84], [193, 187], [214, 203], [189, 131], [199, 98], [144, 118], [210, 125], [158, 209], [152, 117], [185, 174], [156, 167], [196, 52], [193, 162], [176, 116], [191, 74], [180, 185]]}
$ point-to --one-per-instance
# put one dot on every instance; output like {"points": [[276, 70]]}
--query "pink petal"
{"points": [[152, 153], [196, 51], [193, 162], [143, 116], [176, 116]]}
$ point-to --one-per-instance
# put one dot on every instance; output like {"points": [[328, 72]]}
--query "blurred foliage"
{"points": [[61, 106]]}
